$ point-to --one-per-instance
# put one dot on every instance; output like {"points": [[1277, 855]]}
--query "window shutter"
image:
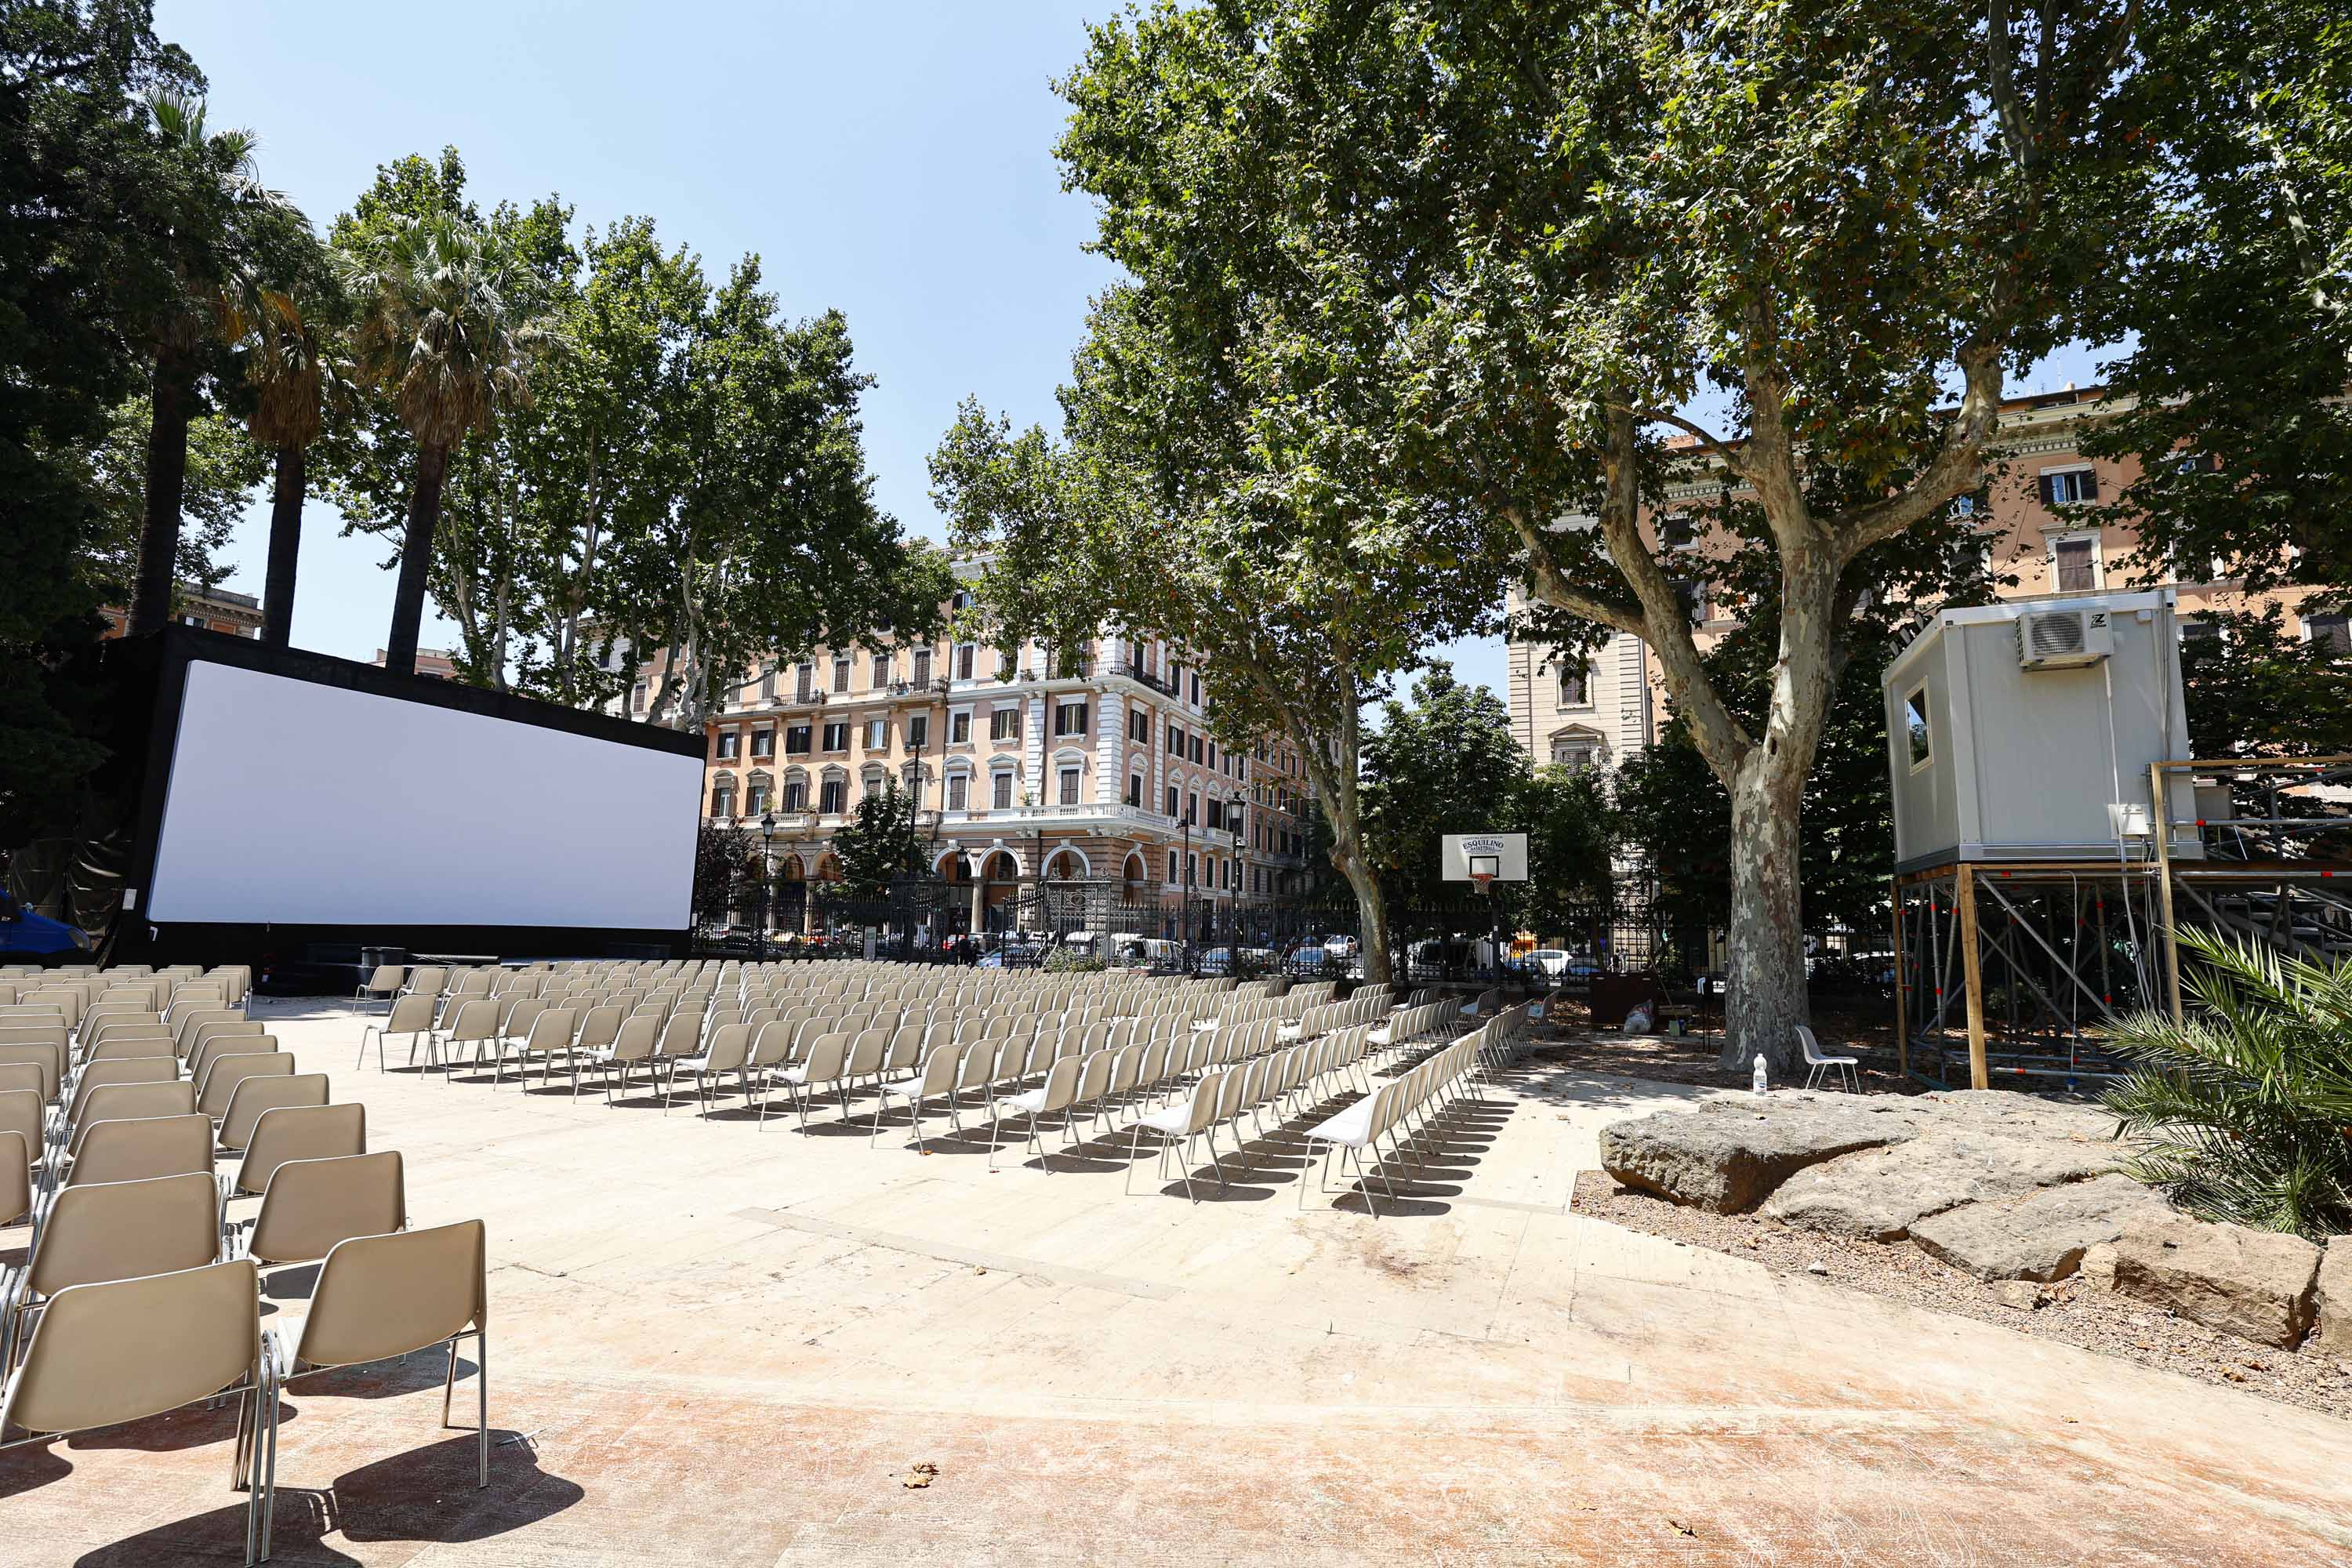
{"points": [[2048, 486], [2090, 485]]}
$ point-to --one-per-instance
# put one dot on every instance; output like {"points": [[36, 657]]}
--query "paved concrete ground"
{"points": [[716, 1343]]}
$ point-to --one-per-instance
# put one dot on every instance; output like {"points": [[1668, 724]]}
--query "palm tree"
{"points": [[294, 374], [437, 331], [224, 193]]}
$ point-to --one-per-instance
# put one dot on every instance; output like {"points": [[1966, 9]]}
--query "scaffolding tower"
{"points": [[2014, 969]]}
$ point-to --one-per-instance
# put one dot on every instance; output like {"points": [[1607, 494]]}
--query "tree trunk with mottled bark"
{"points": [[416, 560], [284, 546]]}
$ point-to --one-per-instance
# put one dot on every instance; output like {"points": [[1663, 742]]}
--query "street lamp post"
{"points": [[767, 874]]}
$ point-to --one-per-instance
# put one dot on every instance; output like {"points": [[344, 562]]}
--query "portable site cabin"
{"points": [[2025, 730]]}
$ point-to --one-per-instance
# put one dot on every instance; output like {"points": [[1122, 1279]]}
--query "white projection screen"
{"points": [[296, 803]]}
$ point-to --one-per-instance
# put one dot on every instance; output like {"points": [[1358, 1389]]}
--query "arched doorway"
{"points": [[1000, 876], [788, 911]]}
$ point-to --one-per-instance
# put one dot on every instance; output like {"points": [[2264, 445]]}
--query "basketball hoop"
{"points": [[1485, 880], [1483, 868]]}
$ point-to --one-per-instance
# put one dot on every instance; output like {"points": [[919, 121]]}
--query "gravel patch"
{"points": [[2069, 1310]]}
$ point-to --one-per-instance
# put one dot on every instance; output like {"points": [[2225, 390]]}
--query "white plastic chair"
{"points": [[1818, 1062]]}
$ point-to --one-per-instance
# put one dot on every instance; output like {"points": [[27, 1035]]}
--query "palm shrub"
{"points": [[2246, 1105]]}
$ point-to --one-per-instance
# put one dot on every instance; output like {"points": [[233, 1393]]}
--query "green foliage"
{"points": [[91, 194], [224, 467], [2233, 232], [726, 860], [1069, 961], [883, 843], [2246, 1103], [2259, 690]]}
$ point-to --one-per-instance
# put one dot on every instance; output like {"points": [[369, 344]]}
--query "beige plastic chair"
{"points": [[550, 1034], [632, 1044], [128, 1349], [256, 1096], [411, 1015], [297, 1133], [225, 1072], [225, 1039], [1058, 1092], [730, 1051], [475, 1024], [134, 1149], [26, 1076], [311, 1205], [119, 1069], [125, 1101], [15, 1176], [46, 1057], [384, 983], [111, 1230], [384, 1296]]}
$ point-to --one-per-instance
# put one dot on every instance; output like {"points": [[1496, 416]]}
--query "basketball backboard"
{"points": [[1501, 855]]}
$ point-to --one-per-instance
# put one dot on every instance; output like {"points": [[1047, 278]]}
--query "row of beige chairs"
{"points": [[1410, 1103]]}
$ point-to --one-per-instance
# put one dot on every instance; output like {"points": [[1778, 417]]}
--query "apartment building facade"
{"points": [[1084, 764], [1596, 711], [222, 610]]}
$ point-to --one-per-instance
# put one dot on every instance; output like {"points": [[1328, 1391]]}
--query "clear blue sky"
{"points": [[891, 158]]}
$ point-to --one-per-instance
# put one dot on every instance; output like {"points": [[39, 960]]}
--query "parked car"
{"points": [[26, 935]]}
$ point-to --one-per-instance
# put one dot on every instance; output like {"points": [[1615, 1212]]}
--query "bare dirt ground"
{"points": [[1858, 1030]]}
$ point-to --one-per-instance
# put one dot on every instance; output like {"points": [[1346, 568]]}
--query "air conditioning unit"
{"points": [[2063, 638]]}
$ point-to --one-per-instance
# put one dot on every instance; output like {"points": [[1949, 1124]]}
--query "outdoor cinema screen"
{"points": [[297, 803]]}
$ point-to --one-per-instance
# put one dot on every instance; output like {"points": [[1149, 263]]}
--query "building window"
{"points": [[964, 657], [881, 671], [795, 794], [959, 729], [914, 778], [1172, 806], [1675, 530], [1579, 749], [1069, 787], [2331, 636], [804, 682], [922, 667], [830, 795], [1914, 722], [1196, 690], [1191, 806], [723, 801], [1216, 813], [730, 744], [1171, 866], [755, 800], [1191, 871], [1004, 724], [2069, 487], [796, 740], [1196, 748], [637, 697], [767, 684], [918, 731], [1000, 791], [1575, 684], [873, 784], [841, 672], [959, 787], [763, 743], [1070, 719], [1175, 740], [878, 734], [837, 736], [2075, 564], [2198, 638], [1135, 791], [1138, 726]]}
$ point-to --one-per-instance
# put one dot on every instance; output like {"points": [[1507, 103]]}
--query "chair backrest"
{"points": [[120, 1070], [28, 1076], [730, 1048], [15, 1176], [253, 1096], [115, 1230], [212, 1040], [387, 978], [426, 979], [20, 1111], [126, 1349], [636, 1041], [411, 1014], [125, 1101], [311, 1205], [522, 1011], [133, 1148], [1061, 1084], [299, 1133], [826, 1056], [382, 1296], [225, 1073], [550, 1031], [681, 1036], [475, 1019], [1812, 1046], [599, 1028], [867, 1052]]}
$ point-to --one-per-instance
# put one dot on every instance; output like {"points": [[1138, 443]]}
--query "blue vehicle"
{"points": [[26, 935]]}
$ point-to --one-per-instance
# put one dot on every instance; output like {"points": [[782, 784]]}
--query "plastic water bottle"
{"points": [[1756, 1080]]}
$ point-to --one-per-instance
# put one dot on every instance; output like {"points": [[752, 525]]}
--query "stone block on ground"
{"points": [[2005, 1111], [2332, 1335], [2041, 1236], [2256, 1284], [1728, 1156], [1879, 1194]]}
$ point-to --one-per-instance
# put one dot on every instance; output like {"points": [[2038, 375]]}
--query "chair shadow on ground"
{"points": [[424, 1494]]}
